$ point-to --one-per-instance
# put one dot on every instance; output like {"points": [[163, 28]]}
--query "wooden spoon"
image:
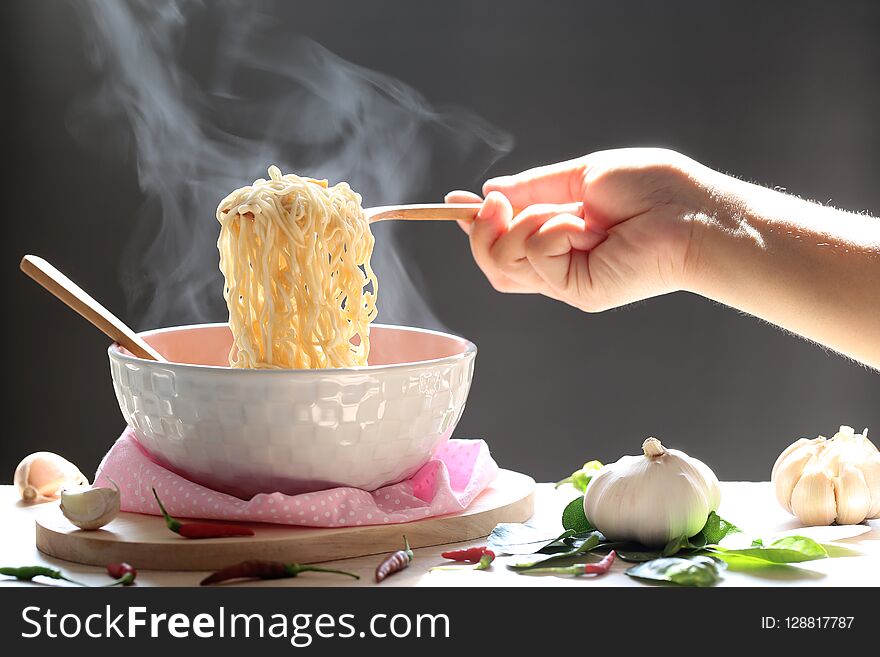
{"points": [[74, 296], [438, 212], [442, 211]]}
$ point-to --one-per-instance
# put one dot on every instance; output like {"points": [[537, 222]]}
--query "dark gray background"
{"points": [[780, 93]]}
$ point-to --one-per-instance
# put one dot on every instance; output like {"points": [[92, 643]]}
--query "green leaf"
{"points": [[697, 542], [691, 571], [581, 478], [713, 531], [573, 516], [788, 549], [587, 545], [675, 546], [802, 544], [716, 528], [637, 555], [518, 538]]}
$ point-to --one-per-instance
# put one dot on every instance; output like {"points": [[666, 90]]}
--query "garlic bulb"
{"points": [[41, 476], [825, 481], [90, 508], [652, 498]]}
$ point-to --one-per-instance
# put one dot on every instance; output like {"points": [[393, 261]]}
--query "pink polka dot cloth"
{"points": [[457, 472]]}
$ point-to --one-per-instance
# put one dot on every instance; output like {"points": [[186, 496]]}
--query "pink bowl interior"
{"points": [[209, 344]]}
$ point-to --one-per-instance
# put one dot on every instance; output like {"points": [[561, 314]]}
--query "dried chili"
{"points": [[395, 562], [201, 529], [260, 569], [599, 568], [467, 555]]}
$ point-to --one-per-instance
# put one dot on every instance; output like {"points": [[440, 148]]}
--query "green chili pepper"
{"points": [[599, 568], [27, 573]]}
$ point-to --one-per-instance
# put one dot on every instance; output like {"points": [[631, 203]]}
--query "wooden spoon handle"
{"points": [[74, 296], [425, 212], [442, 211]]}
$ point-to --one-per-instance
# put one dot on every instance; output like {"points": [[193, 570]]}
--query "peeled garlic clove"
{"points": [[41, 476], [812, 499], [90, 508], [789, 470], [853, 497]]}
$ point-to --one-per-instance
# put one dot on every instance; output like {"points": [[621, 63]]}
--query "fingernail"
{"points": [[488, 208], [492, 205]]}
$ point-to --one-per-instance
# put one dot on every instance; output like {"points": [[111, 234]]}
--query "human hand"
{"points": [[634, 237]]}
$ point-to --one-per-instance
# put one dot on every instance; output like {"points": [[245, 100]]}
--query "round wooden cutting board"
{"points": [[145, 541]]}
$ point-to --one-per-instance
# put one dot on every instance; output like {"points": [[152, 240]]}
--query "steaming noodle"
{"points": [[295, 254]]}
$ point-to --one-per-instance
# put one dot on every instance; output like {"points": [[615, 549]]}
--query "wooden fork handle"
{"points": [[79, 300], [444, 211]]}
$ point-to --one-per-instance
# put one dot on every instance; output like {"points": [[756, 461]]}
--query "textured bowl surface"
{"points": [[259, 431]]}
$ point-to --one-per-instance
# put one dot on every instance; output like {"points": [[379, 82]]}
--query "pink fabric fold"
{"points": [[458, 472]]}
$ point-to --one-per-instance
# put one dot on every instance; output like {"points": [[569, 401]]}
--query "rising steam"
{"points": [[202, 121]]}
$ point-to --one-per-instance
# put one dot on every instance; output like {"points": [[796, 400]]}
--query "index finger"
{"points": [[553, 183]]}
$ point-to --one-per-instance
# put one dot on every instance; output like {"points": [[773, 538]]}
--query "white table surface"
{"points": [[749, 505]]}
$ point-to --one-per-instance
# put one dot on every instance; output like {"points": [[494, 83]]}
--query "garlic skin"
{"points": [[41, 476], [825, 481], [652, 498], [90, 508]]}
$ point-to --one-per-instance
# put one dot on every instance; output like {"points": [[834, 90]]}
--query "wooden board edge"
{"points": [[209, 556]]}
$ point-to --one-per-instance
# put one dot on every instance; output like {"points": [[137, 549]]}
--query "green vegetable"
{"points": [[517, 538], [580, 478], [574, 518], [712, 533], [676, 545], [788, 549], [691, 571], [588, 545], [638, 556], [716, 529], [27, 573], [485, 561]]}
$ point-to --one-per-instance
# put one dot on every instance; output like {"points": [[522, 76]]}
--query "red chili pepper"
{"points": [[602, 566], [123, 573], [468, 555], [201, 529], [395, 562], [485, 561], [260, 569], [117, 570]]}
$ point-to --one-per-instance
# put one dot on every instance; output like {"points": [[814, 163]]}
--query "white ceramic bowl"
{"points": [[259, 431]]}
